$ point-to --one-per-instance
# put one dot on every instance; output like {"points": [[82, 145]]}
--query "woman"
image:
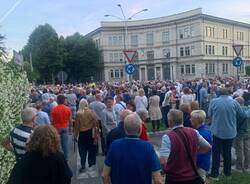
{"points": [[141, 101], [187, 97], [143, 115], [154, 110], [131, 106], [43, 162], [85, 130]]}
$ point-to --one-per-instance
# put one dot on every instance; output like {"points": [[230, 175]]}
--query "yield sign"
{"points": [[130, 54], [237, 49]]}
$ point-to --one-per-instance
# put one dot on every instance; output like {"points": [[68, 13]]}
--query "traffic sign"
{"points": [[130, 54], [237, 49], [237, 61], [130, 69], [62, 76]]}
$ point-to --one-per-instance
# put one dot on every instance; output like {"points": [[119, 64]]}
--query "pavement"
{"points": [[94, 176]]}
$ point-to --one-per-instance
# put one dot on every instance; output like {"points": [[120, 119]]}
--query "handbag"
{"points": [[182, 137]]}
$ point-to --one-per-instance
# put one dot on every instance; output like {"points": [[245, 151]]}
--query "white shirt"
{"points": [[141, 103]]}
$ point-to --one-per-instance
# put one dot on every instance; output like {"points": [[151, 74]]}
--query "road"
{"points": [[94, 177]]}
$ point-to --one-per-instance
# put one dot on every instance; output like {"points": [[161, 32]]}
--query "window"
{"points": [[224, 33], [210, 31], [166, 53], [181, 51], [165, 37], [187, 32], [191, 31], [111, 58], [187, 51], [116, 73], [116, 57], [111, 73], [213, 50], [240, 36], [182, 69], [121, 73], [206, 49], [121, 56], [119, 40], [110, 40], [192, 51], [193, 68], [134, 40], [210, 68], [225, 68], [209, 49], [181, 34], [115, 40], [188, 71], [150, 38], [150, 55], [224, 50]]}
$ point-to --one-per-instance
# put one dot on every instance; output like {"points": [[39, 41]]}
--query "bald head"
{"points": [[132, 124], [125, 113]]}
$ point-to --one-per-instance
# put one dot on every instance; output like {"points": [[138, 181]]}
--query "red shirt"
{"points": [[61, 116], [144, 135]]}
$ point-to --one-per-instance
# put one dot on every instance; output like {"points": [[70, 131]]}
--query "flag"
{"points": [[18, 58]]}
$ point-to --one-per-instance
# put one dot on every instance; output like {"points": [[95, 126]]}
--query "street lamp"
{"points": [[124, 19]]}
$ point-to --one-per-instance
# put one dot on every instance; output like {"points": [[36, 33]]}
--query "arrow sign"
{"points": [[130, 54], [237, 61], [237, 49], [130, 69]]}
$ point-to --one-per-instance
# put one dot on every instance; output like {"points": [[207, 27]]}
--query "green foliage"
{"points": [[81, 57], [2, 49], [13, 91], [44, 46], [247, 68], [236, 178], [32, 75]]}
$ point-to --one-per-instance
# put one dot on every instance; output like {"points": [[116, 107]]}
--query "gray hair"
{"points": [[143, 114], [28, 114], [132, 124], [176, 116], [199, 114]]}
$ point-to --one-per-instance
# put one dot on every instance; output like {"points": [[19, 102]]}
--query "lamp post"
{"points": [[124, 19]]}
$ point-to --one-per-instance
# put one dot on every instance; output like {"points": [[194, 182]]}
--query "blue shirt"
{"points": [[42, 118], [132, 161], [223, 111], [203, 160]]}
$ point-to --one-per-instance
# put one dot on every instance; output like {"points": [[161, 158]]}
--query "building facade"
{"points": [[182, 46]]}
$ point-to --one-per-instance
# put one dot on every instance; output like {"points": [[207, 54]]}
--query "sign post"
{"points": [[130, 55], [237, 61], [62, 76]]}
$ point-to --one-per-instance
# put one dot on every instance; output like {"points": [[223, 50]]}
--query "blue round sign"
{"points": [[130, 69], [237, 61]]}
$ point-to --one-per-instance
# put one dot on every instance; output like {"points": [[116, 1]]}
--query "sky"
{"points": [[18, 18]]}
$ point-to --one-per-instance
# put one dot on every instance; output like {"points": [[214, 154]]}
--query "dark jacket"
{"points": [[35, 169]]}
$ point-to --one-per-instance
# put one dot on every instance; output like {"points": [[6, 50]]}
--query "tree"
{"points": [[81, 58], [247, 68], [44, 47], [2, 48]]}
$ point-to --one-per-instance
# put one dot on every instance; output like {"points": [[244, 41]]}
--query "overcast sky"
{"points": [[18, 18]]}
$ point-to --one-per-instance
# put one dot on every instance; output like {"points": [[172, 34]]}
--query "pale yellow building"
{"points": [[186, 45]]}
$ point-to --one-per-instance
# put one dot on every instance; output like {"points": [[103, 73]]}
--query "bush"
{"points": [[13, 95]]}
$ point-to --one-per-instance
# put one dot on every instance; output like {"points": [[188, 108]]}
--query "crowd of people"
{"points": [[203, 119]]}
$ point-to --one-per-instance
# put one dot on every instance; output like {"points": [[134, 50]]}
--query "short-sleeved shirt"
{"points": [[42, 118], [61, 116], [18, 138], [132, 161]]}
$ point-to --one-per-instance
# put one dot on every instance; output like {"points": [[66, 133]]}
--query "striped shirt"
{"points": [[19, 137]]}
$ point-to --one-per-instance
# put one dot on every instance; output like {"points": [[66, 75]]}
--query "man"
{"points": [[119, 131], [203, 97], [71, 99], [223, 112], [118, 107], [61, 118], [167, 103], [42, 118], [242, 141], [131, 160], [98, 107], [16, 141], [177, 144], [108, 117]]}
